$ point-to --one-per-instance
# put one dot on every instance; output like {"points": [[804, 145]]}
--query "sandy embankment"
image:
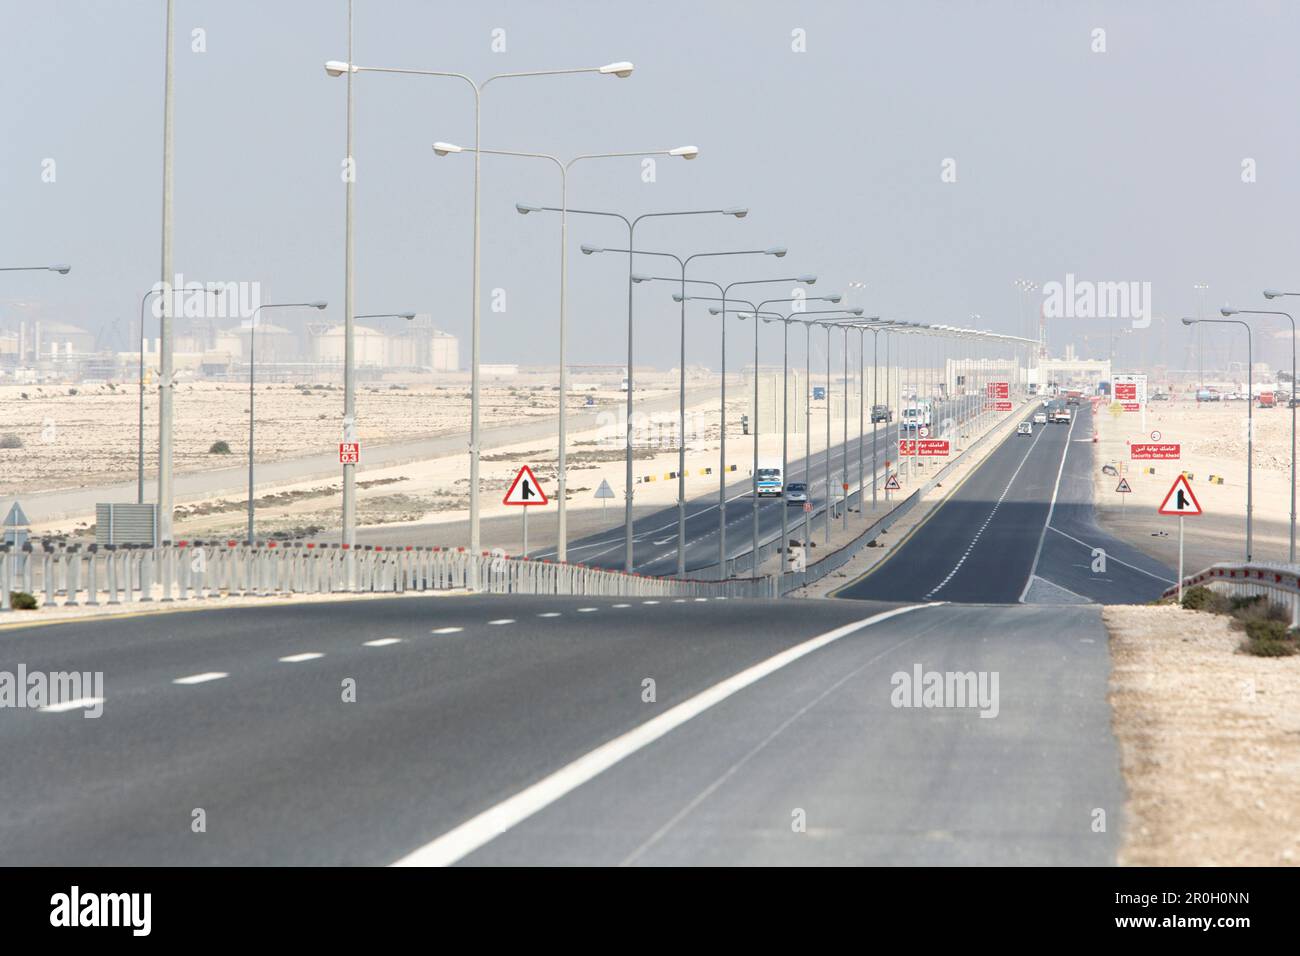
{"points": [[1213, 440], [1209, 742]]}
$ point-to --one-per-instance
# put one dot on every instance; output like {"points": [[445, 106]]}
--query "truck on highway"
{"points": [[916, 414], [881, 413], [1267, 400], [1060, 416], [768, 482]]}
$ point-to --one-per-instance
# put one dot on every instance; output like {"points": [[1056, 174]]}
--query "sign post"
{"points": [[1182, 502], [526, 492], [604, 493], [1123, 488]]}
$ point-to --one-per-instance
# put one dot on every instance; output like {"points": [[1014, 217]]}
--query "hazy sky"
{"points": [[1123, 165]]}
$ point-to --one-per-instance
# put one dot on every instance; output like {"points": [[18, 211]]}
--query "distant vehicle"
{"points": [[1072, 397], [1025, 428], [1159, 397], [1207, 395], [916, 414], [881, 413], [590, 400], [1040, 418], [1060, 416], [768, 482], [819, 393], [1267, 400], [796, 492]]}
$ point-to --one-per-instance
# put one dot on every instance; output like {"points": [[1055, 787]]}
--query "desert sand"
{"points": [[1213, 440]]}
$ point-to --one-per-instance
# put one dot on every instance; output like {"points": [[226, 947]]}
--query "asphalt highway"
{"points": [[1019, 527], [492, 730]]}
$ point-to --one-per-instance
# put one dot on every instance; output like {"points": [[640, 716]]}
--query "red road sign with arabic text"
{"points": [[1155, 451], [923, 447]]}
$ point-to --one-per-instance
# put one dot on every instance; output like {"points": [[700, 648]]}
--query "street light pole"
{"points": [[621, 69], [1250, 421], [445, 149], [737, 212], [252, 342], [1273, 294]]}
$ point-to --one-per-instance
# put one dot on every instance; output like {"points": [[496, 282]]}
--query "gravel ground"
{"points": [[1209, 740]]}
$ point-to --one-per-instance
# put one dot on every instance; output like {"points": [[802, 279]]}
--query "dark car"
{"points": [[881, 413]]}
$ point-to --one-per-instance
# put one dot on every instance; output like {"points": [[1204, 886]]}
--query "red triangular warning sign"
{"points": [[891, 483], [525, 490], [1123, 486], [1180, 500]]}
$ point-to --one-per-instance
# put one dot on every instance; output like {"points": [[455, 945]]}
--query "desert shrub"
{"points": [[1267, 630], [1246, 601], [219, 448], [1268, 648], [22, 601], [10, 440], [1201, 598]]}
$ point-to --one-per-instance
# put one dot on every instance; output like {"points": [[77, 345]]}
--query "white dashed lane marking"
{"points": [[299, 658], [503, 620], [621, 605], [549, 614], [76, 704], [201, 678], [587, 610], [446, 630], [383, 642]]}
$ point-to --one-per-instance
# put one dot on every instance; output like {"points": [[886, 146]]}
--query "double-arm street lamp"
{"points": [[447, 149], [252, 341], [681, 297], [348, 68], [757, 311], [1276, 294], [1250, 419], [139, 455], [736, 211]]}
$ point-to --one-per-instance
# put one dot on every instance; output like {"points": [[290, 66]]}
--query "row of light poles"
{"points": [[1228, 314]]}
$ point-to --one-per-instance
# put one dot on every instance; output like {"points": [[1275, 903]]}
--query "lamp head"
{"points": [[833, 297], [685, 152], [620, 69], [1273, 293], [588, 249], [807, 279], [338, 67], [678, 297], [318, 304], [638, 277], [1187, 321], [714, 310], [1225, 311], [778, 251], [442, 149], [524, 208], [856, 310], [62, 269], [406, 315], [738, 211]]}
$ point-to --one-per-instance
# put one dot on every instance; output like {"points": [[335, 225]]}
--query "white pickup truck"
{"points": [[1060, 416]]}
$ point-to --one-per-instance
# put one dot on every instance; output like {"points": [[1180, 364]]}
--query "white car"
{"points": [[1025, 428], [1040, 418]]}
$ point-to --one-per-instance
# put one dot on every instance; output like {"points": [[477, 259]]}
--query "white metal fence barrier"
{"points": [[1279, 583], [69, 576]]}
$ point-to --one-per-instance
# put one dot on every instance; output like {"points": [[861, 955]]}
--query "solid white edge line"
{"points": [[1051, 510], [459, 842]]}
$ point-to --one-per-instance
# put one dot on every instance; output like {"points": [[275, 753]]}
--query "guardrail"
{"points": [[69, 575], [1277, 581]]}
